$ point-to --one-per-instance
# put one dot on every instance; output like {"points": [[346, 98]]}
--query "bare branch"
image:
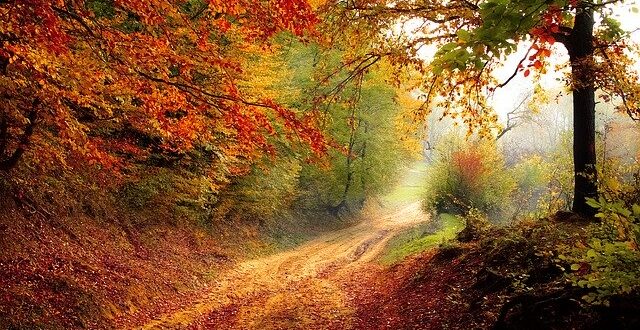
{"points": [[514, 115], [515, 72]]}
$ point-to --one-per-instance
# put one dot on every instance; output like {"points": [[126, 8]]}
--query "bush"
{"points": [[182, 196], [609, 265], [543, 187], [266, 193], [468, 175]]}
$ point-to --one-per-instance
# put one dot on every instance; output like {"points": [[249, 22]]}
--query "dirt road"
{"points": [[297, 289]]}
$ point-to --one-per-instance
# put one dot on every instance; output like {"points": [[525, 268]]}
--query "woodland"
{"points": [[319, 164]]}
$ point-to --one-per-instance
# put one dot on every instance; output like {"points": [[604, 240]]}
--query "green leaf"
{"points": [[588, 298], [636, 210], [609, 249], [464, 35], [593, 203], [448, 47], [575, 267]]}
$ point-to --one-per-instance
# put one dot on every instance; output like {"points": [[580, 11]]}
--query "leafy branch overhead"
{"points": [[480, 49], [169, 70]]}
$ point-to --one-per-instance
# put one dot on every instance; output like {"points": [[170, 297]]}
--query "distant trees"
{"points": [[361, 116]]}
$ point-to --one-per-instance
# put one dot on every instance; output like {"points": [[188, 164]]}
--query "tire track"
{"points": [[295, 289]]}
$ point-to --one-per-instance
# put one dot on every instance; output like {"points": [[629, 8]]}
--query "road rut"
{"points": [[297, 289]]}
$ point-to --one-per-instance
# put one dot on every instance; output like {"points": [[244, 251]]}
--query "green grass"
{"points": [[421, 238], [411, 187]]}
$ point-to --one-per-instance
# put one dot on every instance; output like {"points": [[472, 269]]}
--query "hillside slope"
{"points": [[509, 279]]}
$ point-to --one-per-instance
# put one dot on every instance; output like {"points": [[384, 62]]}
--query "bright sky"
{"points": [[506, 98]]}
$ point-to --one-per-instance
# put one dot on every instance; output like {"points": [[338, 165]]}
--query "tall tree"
{"points": [[579, 42]]}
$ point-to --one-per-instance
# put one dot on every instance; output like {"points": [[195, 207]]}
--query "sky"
{"points": [[505, 99]]}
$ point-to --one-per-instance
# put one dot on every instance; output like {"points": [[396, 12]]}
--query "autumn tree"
{"points": [[359, 113], [473, 39], [107, 83]]}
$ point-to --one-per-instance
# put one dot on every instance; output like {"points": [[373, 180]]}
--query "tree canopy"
{"points": [[109, 82]]}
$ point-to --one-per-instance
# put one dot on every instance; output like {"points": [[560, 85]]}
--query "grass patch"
{"points": [[421, 238], [411, 187]]}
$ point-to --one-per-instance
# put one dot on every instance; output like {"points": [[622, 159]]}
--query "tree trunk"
{"points": [[363, 157], [349, 169], [584, 131], [364, 170], [8, 162]]}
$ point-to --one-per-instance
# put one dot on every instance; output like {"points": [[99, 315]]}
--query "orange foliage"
{"points": [[92, 83], [470, 166]]}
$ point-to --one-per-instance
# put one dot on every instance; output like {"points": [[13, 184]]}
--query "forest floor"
{"points": [[304, 288], [391, 270], [504, 280]]}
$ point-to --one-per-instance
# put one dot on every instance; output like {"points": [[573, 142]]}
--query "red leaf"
{"points": [[537, 64]]}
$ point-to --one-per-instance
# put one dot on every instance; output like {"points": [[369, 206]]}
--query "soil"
{"points": [[304, 288]]}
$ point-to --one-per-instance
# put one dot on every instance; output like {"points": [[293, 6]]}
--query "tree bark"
{"points": [[363, 156], [581, 50]]}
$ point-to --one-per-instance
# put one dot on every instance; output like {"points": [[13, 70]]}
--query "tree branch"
{"points": [[76, 18], [563, 36], [620, 91], [512, 116], [11, 161], [190, 89], [515, 72]]}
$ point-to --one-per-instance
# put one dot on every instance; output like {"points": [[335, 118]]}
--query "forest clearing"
{"points": [[319, 164]]}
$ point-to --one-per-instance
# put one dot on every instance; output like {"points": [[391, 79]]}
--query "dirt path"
{"points": [[297, 289]]}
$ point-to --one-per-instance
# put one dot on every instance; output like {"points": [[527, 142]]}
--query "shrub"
{"points": [[609, 265], [177, 195], [468, 175], [266, 193]]}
